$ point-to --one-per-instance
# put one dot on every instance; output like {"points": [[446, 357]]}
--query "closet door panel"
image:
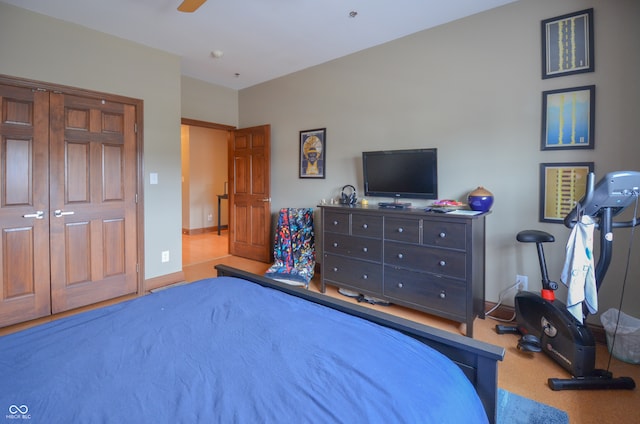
{"points": [[24, 205], [78, 245], [93, 176], [77, 160]]}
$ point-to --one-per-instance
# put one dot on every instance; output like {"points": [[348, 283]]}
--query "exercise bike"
{"points": [[543, 321]]}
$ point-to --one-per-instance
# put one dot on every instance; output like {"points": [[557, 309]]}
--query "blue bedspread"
{"points": [[225, 350]]}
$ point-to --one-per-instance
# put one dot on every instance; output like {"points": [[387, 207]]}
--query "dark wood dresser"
{"points": [[429, 261]]}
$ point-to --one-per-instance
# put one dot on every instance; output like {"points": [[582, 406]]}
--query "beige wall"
{"points": [[209, 103], [185, 151], [471, 88]]}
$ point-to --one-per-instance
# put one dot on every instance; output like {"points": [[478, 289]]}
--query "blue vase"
{"points": [[480, 199]]}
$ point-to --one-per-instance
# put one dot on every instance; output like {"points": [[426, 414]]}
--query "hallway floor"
{"points": [[204, 247]]}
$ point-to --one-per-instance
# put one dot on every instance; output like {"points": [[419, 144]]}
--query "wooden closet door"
{"points": [[24, 205], [93, 200]]}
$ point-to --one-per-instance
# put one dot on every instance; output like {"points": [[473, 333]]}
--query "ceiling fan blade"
{"points": [[189, 6]]}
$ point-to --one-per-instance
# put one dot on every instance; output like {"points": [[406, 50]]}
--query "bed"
{"points": [[241, 348]]}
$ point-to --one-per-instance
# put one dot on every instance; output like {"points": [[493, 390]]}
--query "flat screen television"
{"points": [[411, 173]]}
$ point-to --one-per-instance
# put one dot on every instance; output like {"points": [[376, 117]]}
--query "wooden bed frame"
{"points": [[478, 360]]}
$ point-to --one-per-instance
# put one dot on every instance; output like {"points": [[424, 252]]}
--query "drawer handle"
{"points": [[365, 249], [400, 256], [365, 276], [443, 235], [400, 230], [365, 226], [400, 285], [443, 294], [335, 244], [442, 263]]}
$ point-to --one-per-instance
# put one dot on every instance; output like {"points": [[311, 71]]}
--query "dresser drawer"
{"points": [[444, 234], [352, 272], [336, 222], [357, 247], [430, 259], [366, 225], [402, 229], [426, 290]]}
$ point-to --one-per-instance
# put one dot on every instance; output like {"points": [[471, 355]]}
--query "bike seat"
{"points": [[534, 236]]}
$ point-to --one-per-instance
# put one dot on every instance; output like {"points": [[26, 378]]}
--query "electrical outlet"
{"points": [[523, 282], [165, 256]]}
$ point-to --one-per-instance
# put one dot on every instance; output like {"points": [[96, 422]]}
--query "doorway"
{"points": [[205, 210], [248, 198]]}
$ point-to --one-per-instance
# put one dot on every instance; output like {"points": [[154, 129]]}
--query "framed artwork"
{"points": [[561, 186], [567, 44], [568, 118], [313, 148]]}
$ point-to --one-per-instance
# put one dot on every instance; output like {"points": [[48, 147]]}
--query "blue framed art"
{"points": [[568, 118]]}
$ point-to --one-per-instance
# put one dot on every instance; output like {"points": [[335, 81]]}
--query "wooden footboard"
{"points": [[478, 360]]}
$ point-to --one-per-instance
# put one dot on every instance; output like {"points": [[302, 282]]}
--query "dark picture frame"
{"points": [[313, 150], [567, 44], [561, 186], [568, 118]]}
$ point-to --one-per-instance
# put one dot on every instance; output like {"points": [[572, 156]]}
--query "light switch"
{"points": [[153, 178]]}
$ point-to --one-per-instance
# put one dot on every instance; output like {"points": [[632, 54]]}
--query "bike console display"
{"points": [[616, 191]]}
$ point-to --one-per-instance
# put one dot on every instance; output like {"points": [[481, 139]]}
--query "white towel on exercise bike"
{"points": [[578, 273]]}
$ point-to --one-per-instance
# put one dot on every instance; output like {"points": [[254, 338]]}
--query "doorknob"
{"points": [[36, 215], [58, 213]]}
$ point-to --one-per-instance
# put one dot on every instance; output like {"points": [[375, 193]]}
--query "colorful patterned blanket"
{"points": [[294, 248]]}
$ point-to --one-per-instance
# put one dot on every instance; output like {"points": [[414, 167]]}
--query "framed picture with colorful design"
{"points": [[313, 147], [561, 186], [567, 44], [568, 118]]}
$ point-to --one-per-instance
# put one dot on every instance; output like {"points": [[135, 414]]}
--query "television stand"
{"points": [[421, 260], [394, 205]]}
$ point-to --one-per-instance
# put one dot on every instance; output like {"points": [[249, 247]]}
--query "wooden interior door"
{"points": [[250, 193], [24, 205], [93, 200]]}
